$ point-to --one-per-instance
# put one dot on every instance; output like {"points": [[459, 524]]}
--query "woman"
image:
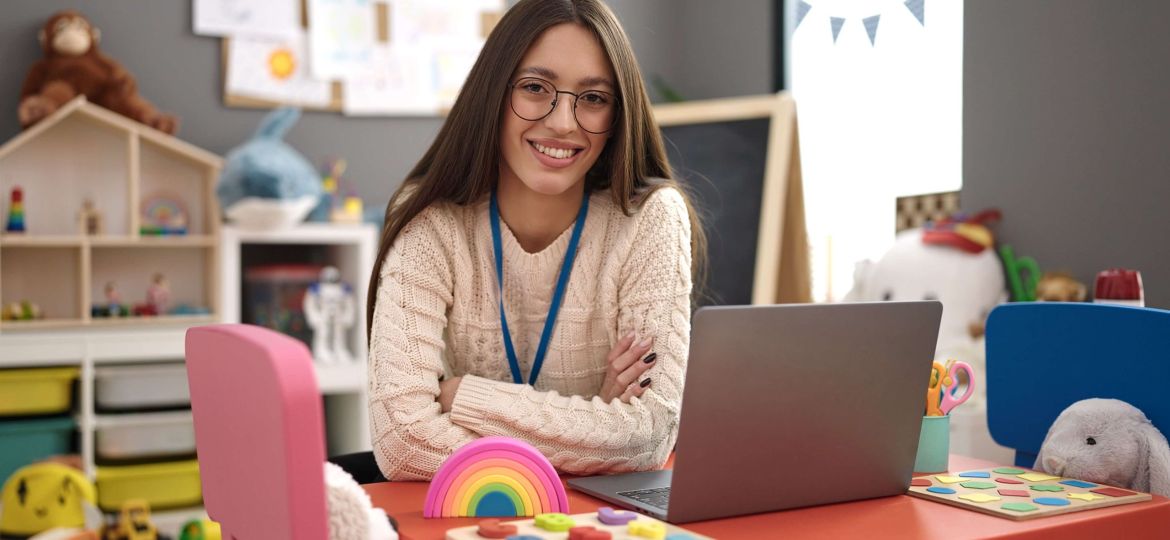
{"points": [[550, 171]]}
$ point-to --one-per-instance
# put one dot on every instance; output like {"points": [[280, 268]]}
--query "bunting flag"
{"points": [[837, 23], [871, 24], [802, 8], [918, 8]]}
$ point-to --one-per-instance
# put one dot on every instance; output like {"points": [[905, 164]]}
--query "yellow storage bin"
{"points": [[36, 391], [172, 484]]}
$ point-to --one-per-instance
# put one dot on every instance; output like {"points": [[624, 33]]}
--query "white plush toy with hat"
{"points": [[953, 262], [1110, 442]]}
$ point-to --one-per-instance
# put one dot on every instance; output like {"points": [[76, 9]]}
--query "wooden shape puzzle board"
{"points": [[1019, 494], [527, 527]]}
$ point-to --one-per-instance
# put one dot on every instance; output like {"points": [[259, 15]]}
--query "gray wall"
{"points": [[701, 51], [1066, 127]]}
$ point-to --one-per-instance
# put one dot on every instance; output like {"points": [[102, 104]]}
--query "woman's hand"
{"points": [[447, 389], [626, 364]]}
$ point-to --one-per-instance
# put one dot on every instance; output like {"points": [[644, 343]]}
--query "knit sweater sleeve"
{"points": [[411, 435], [592, 436]]}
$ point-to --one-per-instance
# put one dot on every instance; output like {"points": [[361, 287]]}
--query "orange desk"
{"points": [[902, 517]]}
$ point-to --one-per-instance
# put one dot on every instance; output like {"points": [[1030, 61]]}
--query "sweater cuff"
{"points": [[469, 409]]}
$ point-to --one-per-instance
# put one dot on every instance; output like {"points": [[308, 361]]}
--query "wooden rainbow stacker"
{"points": [[1019, 494]]}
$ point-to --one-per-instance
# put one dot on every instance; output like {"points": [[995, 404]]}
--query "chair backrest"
{"points": [[1043, 357], [258, 432]]}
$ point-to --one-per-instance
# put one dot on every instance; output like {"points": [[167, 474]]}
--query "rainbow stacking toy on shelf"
{"points": [[495, 477]]}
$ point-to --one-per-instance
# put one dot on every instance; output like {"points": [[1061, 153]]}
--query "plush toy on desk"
{"points": [[74, 66], [266, 184], [1107, 441]]}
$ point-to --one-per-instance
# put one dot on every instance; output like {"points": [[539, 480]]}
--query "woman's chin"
{"points": [[551, 186]]}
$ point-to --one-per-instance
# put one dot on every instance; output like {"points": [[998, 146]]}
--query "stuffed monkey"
{"points": [[74, 66]]}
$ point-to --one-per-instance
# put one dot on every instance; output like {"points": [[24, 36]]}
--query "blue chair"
{"points": [[1043, 357]]}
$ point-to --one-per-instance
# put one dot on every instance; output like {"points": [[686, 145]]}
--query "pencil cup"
{"points": [[934, 444]]}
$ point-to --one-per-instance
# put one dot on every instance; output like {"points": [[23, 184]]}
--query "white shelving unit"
{"points": [[134, 177], [350, 248], [155, 196], [88, 349]]}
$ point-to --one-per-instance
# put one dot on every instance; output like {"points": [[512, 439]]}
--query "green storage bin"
{"points": [[27, 441]]}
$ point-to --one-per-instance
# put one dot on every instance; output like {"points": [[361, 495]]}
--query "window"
{"points": [[879, 101]]}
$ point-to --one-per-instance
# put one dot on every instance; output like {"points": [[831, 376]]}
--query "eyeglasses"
{"points": [[533, 99]]}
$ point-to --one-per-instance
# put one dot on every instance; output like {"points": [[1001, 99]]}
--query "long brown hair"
{"points": [[462, 165]]}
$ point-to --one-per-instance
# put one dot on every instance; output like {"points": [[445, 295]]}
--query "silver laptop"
{"points": [[789, 406]]}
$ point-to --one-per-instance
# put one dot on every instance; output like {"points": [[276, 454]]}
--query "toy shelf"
{"points": [[47, 240], [64, 240], [125, 201], [51, 277], [349, 248], [64, 164]]}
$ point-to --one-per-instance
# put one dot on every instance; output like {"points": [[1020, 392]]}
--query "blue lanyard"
{"points": [[562, 282]]}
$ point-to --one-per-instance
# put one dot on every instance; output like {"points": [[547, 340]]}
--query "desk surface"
{"points": [[899, 516]]}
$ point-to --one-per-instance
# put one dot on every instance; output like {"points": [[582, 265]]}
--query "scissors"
{"points": [[949, 400], [938, 379]]}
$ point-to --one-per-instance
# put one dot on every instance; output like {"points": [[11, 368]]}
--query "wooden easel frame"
{"points": [[781, 171]]}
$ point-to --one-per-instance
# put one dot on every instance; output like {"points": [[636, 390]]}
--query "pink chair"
{"points": [[258, 432]]}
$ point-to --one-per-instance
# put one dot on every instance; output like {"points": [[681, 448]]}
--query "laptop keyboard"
{"points": [[657, 497]]}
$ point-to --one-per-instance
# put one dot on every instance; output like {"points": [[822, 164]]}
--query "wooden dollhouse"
{"points": [[108, 206]]}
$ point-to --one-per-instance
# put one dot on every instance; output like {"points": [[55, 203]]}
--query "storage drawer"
{"points": [[27, 441], [141, 387], [163, 485], [36, 391], [149, 435]]}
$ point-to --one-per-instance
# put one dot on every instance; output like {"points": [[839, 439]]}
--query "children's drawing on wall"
{"points": [[274, 69], [235, 17], [341, 37]]}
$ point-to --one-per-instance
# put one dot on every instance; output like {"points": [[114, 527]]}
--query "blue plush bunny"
{"points": [[265, 167]]}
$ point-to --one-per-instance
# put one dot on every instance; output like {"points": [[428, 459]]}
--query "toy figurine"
{"points": [[1060, 287], [350, 211], [330, 180], [158, 296], [113, 300], [133, 523], [200, 529], [21, 311], [16, 212], [330, 311], [89, 219]]}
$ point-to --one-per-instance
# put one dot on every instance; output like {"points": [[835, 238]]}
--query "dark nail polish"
{"points": [[650, 358], [645, 382]]}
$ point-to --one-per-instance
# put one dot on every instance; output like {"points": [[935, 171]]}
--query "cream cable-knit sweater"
{"points": [[437, 312]]}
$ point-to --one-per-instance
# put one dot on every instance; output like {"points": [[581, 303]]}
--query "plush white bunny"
{"points": [[1107, 441], [351, 515]]}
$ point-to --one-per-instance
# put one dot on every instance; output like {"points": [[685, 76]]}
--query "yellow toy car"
{"points": [[133, 523]]}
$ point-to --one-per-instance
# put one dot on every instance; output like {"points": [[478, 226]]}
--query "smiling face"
{"points": [[552, 154], [41, 496]]}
